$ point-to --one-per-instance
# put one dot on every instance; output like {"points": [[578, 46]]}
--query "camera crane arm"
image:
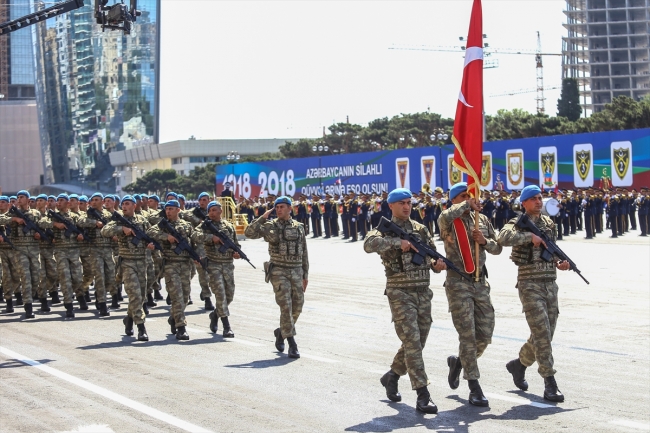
{"points": [[42, 15]]}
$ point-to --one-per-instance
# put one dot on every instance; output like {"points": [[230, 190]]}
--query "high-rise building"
{"points": [[607, 49], [97, 91], [16, 59]]}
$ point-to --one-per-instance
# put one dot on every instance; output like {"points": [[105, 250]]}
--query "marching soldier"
{"points": [[10, 278], [84, 248], [102, 256], [154, 218], [538, 293], [288, 268], [409, 297], [469, 303], [132, 261], [49, 278]]}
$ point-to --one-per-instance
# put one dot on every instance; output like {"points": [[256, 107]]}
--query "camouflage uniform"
{"points": [[221, 269], [10, 278], [290, 261], [204, 279], [177, 268], [48, 276], [537, 291], [156, 256], [469, 303], [152, 282], [132, 262], [409, 297], [86, 259], [25, 257], [102, 260]]}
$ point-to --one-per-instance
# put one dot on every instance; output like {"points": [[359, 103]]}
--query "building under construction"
{"points": [[607, 49]]}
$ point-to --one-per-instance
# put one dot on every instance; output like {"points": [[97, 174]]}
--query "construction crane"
{"points": [[489, 51], [521, 91]]}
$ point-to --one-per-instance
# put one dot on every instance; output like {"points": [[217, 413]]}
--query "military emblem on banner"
{"points": [[515, 163], [455, 175], [583, 163], [486, 170], [621, 161], [547, 161], [427, 169], [402, 167]]}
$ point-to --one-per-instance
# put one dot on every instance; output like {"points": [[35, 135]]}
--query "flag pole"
{"points": [[476, 227]]}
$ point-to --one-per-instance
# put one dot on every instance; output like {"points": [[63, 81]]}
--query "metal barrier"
{"points": [[229, 209]]}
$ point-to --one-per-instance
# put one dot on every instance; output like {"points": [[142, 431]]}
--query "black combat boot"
{"points": [[142, 333], [119, 293], [293, 348], [389, 381], [551, 391], [168, 299], [55, 297], [103, 310], [128, 325], [214, 322], [279, 341], [115, 305], [150, 301], [19, 299], [189, 300], [69, 312], [87, 296], [181, 334], [44, 307], [208, 304], [29, 311], [455, 368], [10, 306], [476, 396], [172, 324], [518, 371], [227, 330], [145, 309], [424, 402], [82, 303], [156, 295]]}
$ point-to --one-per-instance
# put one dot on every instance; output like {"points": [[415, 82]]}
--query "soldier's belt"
{"points": [[460, 276], [537, 279], [286, 265]]}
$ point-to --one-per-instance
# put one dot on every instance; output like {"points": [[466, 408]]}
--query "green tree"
{"points": [[156, 181], [569, 103]]}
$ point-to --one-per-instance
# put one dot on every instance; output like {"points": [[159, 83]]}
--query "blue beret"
{"points": [[83, 199], [71, 196], [137, 196], [283, 199], [213, 204], [399, 194], [171, 193], [23, 192], [204, 194], [41, 196], [12, 197], [4, 198], [111, 196], [181, 197], [144, 196], [529, 192], [155, 197], [128, 198], [63, 196], [457, 189], [98, 194], [51, 197], [32, 198], [172, 203]]}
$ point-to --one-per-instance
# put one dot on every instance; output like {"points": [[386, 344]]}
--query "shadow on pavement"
{"points": [[57, 316], [278, 361], [133, 342], [13, 363]]}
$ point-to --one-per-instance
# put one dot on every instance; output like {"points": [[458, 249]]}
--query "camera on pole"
{"points": [[117, 16]]}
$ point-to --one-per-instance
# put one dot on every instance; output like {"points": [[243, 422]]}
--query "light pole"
{"points": [[320, 149], [441, 137]]}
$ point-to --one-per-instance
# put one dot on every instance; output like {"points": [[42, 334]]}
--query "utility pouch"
{"points": [[268, 267]]}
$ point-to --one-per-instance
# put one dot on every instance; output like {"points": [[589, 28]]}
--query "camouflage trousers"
{"points": [[222, 282], [152, 281], [539, 301], [10, 277], [86, 267], [103, 273], [135, 282], [26, 262], [68, 267], [473, 316], [204, 280], [49, 277], [411, 311], [177, 282], [287, 286]]}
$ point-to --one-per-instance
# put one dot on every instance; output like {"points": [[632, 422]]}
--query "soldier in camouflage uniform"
{"points": [[154, 218], [469, 302], [221, 269], [288, 268], [188, 215], [147, 291], [10, 277], [102, 257], [75, 206], [537, 291], [110, 206], [132, 262], [49, 278], [177, 267], [25, 256], [409, 297]]}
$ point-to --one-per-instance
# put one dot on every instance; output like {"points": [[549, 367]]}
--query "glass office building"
{"points": [[16, 58], [96, 91]]}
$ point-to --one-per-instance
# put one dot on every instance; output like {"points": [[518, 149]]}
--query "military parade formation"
{"points": [[126, 247]]}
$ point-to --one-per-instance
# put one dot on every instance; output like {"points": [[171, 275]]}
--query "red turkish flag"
{"points": [[468, 125]]}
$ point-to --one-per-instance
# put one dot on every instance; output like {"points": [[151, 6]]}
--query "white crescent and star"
{"points": [[471, 54]]}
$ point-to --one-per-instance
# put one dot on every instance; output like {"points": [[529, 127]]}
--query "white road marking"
{"points": [[195, 331], [631, 424], [94, 428], [103, 392], [519, 400], [318, 358], [240, 341]]}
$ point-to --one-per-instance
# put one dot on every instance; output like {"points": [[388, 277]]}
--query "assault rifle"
{"points": [[70, 227], [138, 235], [551, 249], [424, 250], [182, 243], [95, 215], [29, 224], [4, 234], [227, 243]]}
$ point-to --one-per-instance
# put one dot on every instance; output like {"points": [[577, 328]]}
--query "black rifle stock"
{"points": [[551, 249], [30, 225], [424, 250], [94, 214], [182, 243], [70, 227], [138, 235], [4, 234]]}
